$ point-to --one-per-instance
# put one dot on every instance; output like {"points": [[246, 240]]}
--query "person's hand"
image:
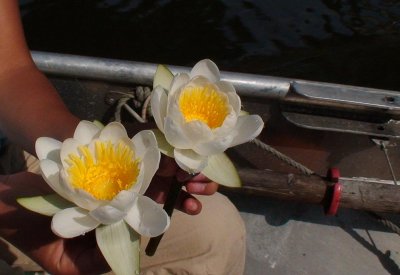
{"points": [[31, 232], [198, 184]]}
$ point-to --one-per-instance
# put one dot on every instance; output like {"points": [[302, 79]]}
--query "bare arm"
{"points": [[30, 106]]}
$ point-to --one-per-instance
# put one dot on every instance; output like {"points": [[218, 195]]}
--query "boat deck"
{"points": [[296, 238]]}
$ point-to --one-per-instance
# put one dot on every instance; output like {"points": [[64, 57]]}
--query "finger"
{"points": [[200, 178], [185, 202], [201, 188], [188, 204]]}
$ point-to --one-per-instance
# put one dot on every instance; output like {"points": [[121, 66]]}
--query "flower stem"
{"points": [[169, 206]]}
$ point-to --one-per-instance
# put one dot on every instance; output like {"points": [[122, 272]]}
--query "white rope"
{"points": [[282, 157], [141, 99]]}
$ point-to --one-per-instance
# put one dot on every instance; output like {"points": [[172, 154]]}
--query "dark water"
{"points": [[353, 42]]}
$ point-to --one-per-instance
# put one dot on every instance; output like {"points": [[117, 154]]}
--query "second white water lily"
{"points": [[199, 115]]}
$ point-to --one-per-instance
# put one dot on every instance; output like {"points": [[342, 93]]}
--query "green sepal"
{"points": [[98, 124], [163, 77], [221, 170], [120, 246], [46, 205], [165, 148], [219, 167], [243, 113]]}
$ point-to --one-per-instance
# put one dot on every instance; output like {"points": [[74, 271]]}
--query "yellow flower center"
{"points": [[112, 169], [205, 104]]}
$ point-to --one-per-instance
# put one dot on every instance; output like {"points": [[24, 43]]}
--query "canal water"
{"points": [[350, 42]]}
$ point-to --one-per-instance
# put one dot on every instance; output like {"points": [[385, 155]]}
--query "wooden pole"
{"points": [[361, 194]]}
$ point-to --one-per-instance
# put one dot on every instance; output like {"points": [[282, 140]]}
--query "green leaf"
{"points": [[243, 113], [221, 169], [163, 145], [120, 246], [163, 77], [98, 124], [46, 205]]}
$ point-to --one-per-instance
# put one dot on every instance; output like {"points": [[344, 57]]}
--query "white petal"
{"points": [[229, 90], [113, 132], [175, 134], [69, 146], [51, 174], [128, 142], [189, 160], [197, 131], [206, 68], [116, 209], [124, 200], [201, 81], [158, 103], [72, 222], [235, 102], [48, 148], [225, 87], [180, 80], [213, 147], [173, 109], [85, 200], [86, 131], [247, 128], [228, 125], [147, 217], [78, 196], [107, 214], [139, 180], [143, 140], [151, 162]]}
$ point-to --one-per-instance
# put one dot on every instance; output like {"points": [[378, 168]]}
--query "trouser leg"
{"points": [[212, 242]]}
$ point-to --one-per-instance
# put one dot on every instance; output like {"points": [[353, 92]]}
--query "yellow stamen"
{"points": [[112, 169], [205, 104]]}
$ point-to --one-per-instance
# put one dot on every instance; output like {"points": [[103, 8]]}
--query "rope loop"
{"points": [[139, 99]]}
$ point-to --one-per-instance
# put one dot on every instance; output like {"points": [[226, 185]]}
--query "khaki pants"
{"points": [[212, 242]]}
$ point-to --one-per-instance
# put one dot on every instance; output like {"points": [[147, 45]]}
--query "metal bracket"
{"points": [[348, 95], [389, 129], [341, 108]]}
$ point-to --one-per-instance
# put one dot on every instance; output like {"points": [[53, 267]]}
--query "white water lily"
{"points": [[104, 174], [200, 115]]}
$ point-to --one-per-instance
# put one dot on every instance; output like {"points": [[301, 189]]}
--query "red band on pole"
{"points": [[335, 192]]}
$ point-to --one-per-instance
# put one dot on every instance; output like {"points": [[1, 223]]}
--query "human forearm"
{"points": [[32, 108]]}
